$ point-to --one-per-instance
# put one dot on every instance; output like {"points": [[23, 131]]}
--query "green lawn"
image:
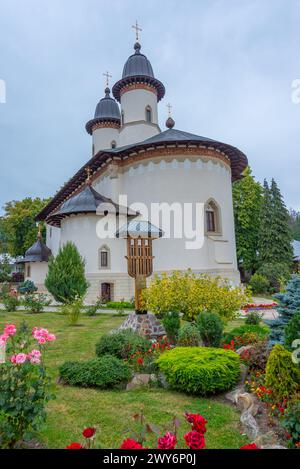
{"points": [[111, 411]]}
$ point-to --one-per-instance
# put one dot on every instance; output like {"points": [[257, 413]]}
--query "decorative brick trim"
{"points": [[104, 125], [138, 86]]}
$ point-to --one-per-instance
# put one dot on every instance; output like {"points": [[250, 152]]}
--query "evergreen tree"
{"points": [[289, 305], [275, 236], [295, 224], [247, 200], [66, 275]]}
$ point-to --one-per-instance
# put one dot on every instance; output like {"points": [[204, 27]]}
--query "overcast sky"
{"points": [[227, 65]]}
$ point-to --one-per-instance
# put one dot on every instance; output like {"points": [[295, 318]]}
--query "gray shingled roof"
{"points": [[139, 228], [107, 110], [137, 64], [38, 252]]}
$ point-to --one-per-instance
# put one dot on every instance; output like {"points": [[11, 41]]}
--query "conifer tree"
{"points": [[247, 199], [275, 235], [66, 275], [289, 306]]}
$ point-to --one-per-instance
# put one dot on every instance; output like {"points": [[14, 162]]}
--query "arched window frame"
{"points": [[213, 219], [113, 144], [148, 112], [104, 249]]}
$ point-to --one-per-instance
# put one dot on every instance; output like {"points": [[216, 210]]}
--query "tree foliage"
{"points": [[247, 201], [275, 234], [18, 227], [66, 275], [295, 224]]}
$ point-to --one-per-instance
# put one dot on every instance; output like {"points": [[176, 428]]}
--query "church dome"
{"points": [[107, 111], [38, 252], [138, 69], [137, 64]]}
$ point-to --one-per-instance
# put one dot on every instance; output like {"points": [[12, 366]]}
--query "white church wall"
{"points": [[134, 104], [103, 138], [53, 239], [36, 272]]}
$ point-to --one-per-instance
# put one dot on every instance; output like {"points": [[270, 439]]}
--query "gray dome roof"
{"points": [[107, 110], [138, 69], [137, 64], [38, 252]]}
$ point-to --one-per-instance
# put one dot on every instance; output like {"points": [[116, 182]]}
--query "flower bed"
{"points": [[259, 307]]}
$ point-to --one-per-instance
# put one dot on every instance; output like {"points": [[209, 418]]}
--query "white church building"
{"points": [[133, 157]]}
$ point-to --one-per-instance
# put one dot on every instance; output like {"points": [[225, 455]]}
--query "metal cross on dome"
{"points": [[108, 76], [137, 30]]}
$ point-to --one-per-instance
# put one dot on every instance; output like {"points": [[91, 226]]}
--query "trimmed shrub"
{"points": [[188, 336], [210, 328], [103, 372], [259, 283], [282, 375], [171, 323], [253, 318], [276, 274], [10, 302], [200, 370], [255, 330], [122, 344], [192, 294], [65, 279], [35, 303], [291, 422], [27, 287], [292, 331]]}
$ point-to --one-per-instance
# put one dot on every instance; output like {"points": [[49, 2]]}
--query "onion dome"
{"points": [[138, 69], [86, 201], [38, 252], [170, 123], [107, 111]]}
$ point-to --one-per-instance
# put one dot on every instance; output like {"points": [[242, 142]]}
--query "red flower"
{"points": [[140, 361], [250, 446], [297, 444], [194, 440], [129, 443], [198, 422], [168, 441], [89, 432], [74, 446]]}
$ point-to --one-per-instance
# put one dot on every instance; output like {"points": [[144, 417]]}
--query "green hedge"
{"points": [[260, 331], [104, 372], [119, 305], [200, 370], [122, 344]]}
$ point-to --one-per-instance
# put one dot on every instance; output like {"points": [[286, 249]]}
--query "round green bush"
{"points": [[188, 336], [260, 331], [171, 323], [210, 327], [103, 372], [200, 370], [122, 344], [259, 283]]}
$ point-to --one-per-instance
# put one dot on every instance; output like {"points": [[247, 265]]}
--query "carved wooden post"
{"points": [[140, 266]]}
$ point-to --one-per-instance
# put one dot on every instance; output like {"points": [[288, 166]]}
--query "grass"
{"points": [[111, 411]]}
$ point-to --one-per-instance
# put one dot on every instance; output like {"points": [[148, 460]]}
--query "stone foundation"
{"points": [[146, 325]]}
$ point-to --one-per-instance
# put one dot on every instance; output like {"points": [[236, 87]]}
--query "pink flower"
{"points": [[51, 338], [42, 335], [168, 441], [21, 358], [35, 357], [3, 339], [13, 359], [10, 329]]}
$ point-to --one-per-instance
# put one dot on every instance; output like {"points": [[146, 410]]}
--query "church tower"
{"points": [[106, 123], [138, 91]]}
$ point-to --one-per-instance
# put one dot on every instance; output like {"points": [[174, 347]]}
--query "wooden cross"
{"points": [[108, 76], [137, 29], [169, 109]]}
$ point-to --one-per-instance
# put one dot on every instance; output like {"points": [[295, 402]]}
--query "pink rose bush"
{"points": [[24, 383]]}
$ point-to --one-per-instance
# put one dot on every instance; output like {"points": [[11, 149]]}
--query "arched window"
{"points": [[212, 217], [104, 258], [113, 144], [148, 114], [28, 274]]}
